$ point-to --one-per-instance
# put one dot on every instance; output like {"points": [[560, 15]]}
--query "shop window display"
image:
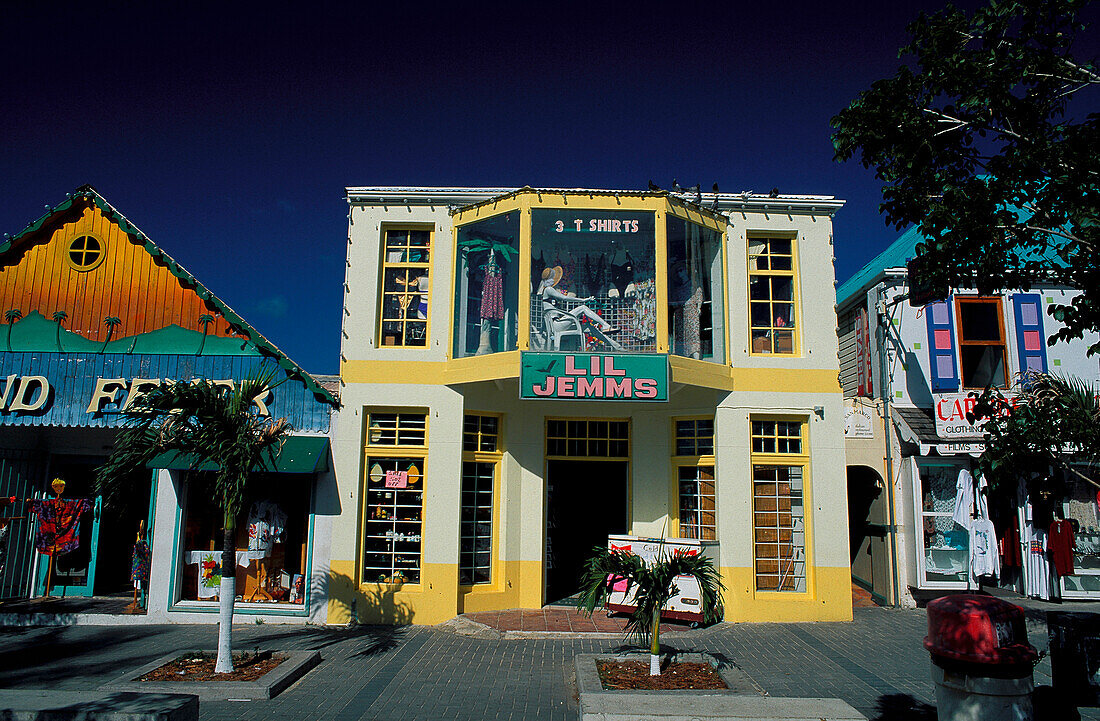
{"points": [[696, 311], [406, 287], [593, 283], [487, 286], [946, 543], [272, 545], [394, 503], [1079, 511]]}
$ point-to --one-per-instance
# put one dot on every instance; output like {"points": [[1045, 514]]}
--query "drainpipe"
{"points": [[881, 334]]}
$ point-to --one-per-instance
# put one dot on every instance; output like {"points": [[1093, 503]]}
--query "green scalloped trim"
{"points": [[238, 323]]}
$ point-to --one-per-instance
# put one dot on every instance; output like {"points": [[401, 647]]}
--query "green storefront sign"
{"points": [[594, 376]]}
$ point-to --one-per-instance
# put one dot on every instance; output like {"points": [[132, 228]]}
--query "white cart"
{"points": [[687, 603]]}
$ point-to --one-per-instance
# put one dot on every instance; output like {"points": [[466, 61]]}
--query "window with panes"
{"points": [[406, 287], [779, 465], [772, 281], [981, 331], [395, 451], [481, 451], [694, 463]]}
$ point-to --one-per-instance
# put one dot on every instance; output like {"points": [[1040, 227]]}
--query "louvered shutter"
{"points": [[1031, 341], [942, 368]]}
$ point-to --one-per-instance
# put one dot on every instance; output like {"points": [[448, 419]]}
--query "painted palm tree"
{"points": [[653, 585], [59, 317], [110, 321], [205, 320], [214, 424], [11, 315]]}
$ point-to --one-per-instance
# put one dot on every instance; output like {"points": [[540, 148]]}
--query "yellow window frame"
{"points": [[696, 461], [765, 340], [776, 459], [410, 271], [490, 457]]}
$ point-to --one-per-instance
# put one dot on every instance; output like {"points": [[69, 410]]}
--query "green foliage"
{"points": [[1050, 423], [210, 421], [975, 143], [653, 584]]}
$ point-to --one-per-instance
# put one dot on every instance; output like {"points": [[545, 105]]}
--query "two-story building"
{"points": [[907, 370], [528, 371]]}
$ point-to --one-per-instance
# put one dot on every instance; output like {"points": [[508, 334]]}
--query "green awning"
{"points": [[299, 454]]}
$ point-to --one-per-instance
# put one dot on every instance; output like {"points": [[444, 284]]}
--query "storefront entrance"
{"points": [[585, 500]]}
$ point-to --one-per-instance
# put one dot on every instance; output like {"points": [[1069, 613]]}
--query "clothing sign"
{"points": [[397, 479], [950, 411], [594, 376]]}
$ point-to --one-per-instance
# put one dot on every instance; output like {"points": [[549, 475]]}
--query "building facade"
{"points": [[526, 372], [95, 314], [907, 372]]}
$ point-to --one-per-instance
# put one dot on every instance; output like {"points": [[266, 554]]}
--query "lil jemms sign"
{"points": [[594, 376]]}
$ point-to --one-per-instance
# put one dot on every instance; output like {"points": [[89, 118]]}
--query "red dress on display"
{"points": [[1062, 545]]}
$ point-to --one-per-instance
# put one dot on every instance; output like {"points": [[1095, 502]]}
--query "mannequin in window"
{"points": [[561, 320]]}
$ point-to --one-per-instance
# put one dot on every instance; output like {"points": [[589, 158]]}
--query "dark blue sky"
{"points": [[227, 134]]}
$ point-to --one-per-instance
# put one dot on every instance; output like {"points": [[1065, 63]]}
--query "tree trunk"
{"points": [[228, 595], [655, 645]]}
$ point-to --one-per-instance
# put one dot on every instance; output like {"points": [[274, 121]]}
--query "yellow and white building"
{"points": [[526, 371]]}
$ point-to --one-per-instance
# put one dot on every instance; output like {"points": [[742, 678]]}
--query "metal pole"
{"points": [[881, 333]]}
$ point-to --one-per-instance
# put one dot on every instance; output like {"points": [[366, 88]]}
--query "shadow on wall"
{"points": [[917, 384], [864, 487], [351, 604]]}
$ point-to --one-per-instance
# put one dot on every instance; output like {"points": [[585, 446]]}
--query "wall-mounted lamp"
{"points": [[819, 411]]}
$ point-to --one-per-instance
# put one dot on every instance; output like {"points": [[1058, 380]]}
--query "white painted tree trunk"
{"points": [[654, 665], [224, 663]]}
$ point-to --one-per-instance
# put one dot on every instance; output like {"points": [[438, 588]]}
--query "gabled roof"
{"points": [[86, 196]]}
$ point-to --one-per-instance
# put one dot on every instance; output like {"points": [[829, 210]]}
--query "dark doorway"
{"points": [[585, 502]]}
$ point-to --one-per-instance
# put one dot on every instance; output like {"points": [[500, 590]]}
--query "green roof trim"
{"points": [[86, 194], [298, 454]]}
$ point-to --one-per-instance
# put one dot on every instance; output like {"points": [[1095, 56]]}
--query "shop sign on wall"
{"points": [[950, 411], [594, 376]]}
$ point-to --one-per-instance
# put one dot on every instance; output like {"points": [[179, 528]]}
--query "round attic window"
{"points": [[85, 252]]}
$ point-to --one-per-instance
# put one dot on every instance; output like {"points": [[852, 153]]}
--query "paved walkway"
{"points": [[463, 671]]}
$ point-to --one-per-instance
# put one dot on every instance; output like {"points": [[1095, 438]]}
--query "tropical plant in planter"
{"points": [[653, 585]]}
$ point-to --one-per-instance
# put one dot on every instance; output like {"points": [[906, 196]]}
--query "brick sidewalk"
{"points": [[876, 663]]}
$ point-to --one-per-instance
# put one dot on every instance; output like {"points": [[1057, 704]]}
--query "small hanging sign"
{"points": [[397, 479]]}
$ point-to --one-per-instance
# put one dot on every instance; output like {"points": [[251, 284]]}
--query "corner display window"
{"points": [[85, 252], [593, 284], [272, 540], [695, 310], [487, 286], [392, 533]]}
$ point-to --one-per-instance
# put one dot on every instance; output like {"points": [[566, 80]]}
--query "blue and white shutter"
{"points": [[1031, 341], [942, 368]]}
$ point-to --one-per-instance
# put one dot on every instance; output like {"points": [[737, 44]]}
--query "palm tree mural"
{"points": [[205, 320], [59, 317], [217, 425], [11, 315], [110, 321], [653, 587]]}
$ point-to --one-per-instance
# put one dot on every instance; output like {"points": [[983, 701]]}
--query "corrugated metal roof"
{"points": [[73, 377]]}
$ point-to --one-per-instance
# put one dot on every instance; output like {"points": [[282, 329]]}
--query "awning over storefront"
{"points": [[299, 454], [918, 426]]}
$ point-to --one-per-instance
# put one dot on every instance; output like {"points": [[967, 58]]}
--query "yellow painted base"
{"points": [[829, 598], [437, 598]]}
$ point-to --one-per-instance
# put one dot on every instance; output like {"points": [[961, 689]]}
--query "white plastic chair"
{"points": [[554, 336]]}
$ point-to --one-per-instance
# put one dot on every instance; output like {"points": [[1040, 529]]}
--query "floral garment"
{"points": [[59, 524]]}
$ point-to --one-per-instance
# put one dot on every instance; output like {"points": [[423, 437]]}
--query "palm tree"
{"points": [[215, 424], [653, 587], [59, 317], [11, 315]]}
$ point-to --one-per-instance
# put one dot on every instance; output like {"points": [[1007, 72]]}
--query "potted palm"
{"points": [[653, 584], [215, 424]]}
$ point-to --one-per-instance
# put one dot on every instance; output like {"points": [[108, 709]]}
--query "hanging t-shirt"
{"points": [[266, 524], [59, 524], [1062, 545], [984, 559]]}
